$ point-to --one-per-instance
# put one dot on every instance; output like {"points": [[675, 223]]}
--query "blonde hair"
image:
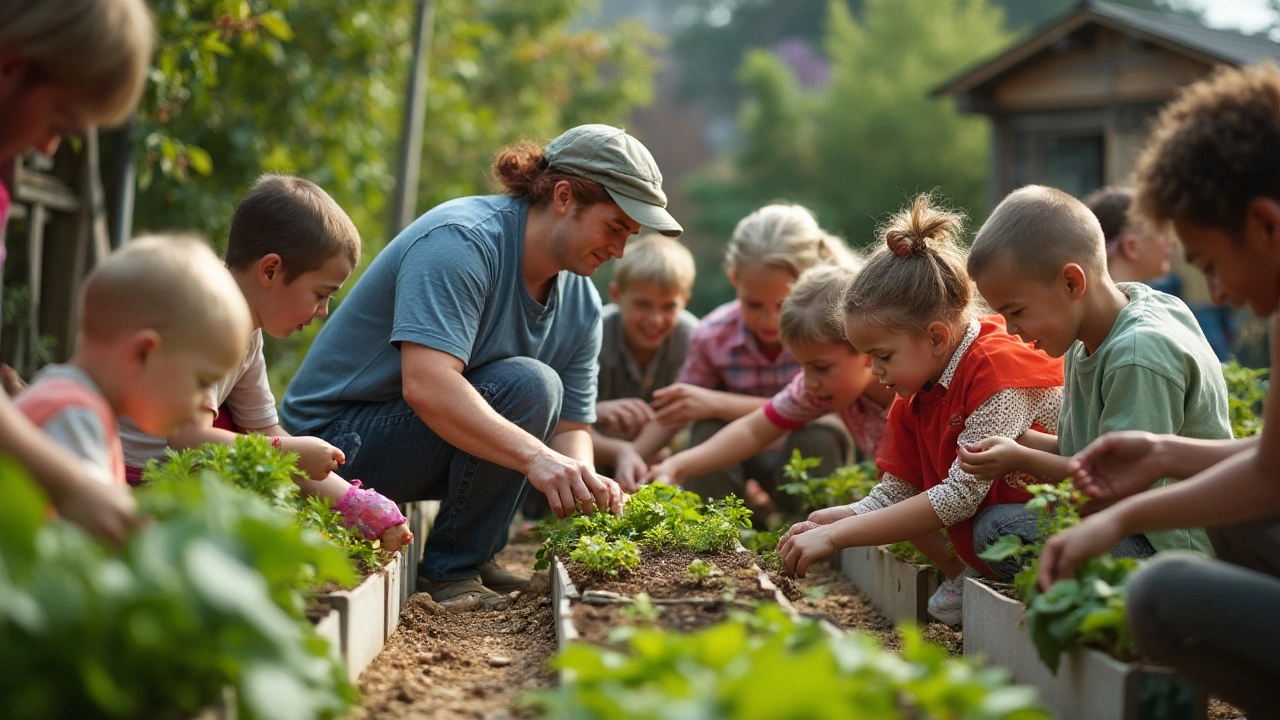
{"points": [[101, 48], [1040, 229], [786, 237], [810, 314], [295, 219], [173, 284], [918, 277], [656, 259]]}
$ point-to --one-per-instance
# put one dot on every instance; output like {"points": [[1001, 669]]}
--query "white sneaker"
{"points": [[947, 603]]}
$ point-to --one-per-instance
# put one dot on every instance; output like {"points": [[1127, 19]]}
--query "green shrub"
{"points": [[1246, 393]]}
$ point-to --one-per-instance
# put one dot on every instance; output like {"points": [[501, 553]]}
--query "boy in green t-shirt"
{"points": [[1135, 358]]}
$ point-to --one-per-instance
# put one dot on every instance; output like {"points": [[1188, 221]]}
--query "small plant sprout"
{"points": [[701, 570], [643, 609]]}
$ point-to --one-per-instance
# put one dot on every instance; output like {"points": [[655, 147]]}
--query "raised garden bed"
{"points": [[1089, 685], [899, 590], [362, 615], [394, 598]]}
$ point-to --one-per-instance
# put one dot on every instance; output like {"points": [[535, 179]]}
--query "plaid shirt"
{"points": [[724, 355]]}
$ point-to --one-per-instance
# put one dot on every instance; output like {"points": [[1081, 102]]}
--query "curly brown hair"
{"points": [[524, 174], [918, 277], [1213, 150]]}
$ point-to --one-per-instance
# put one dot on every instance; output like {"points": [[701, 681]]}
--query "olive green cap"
{"points": [[619, 162]]}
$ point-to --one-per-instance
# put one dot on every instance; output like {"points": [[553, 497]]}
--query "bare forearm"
{"points": [[738, 441], [731, 406], [53, 467], [574, 441], [1041, 441], [653, 437], [462, 418], [907, 520], [606, 449], [1184, 457], [199, 432], [1044, 464], [1238, 489]]}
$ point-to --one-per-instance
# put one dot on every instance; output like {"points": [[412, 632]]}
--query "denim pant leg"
{"points": [[393, 450], [1015, 519]]}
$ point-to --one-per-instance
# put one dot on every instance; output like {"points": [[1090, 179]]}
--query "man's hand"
{"points": [[630, 468], [104, 511], [991, 457], [682, 403], [1117, 465], [624, 417], [1064, 552], [569, 484], [396, 537], [316, 457], [801, 550]]}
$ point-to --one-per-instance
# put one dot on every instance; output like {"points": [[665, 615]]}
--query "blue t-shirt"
{"points": [[452, 281]]}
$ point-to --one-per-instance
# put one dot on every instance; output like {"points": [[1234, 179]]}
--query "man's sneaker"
{"points": [[465, 594], [947, 603], [501, 580]]}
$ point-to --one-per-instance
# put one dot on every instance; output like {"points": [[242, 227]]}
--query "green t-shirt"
{"points": [[1155, 372]]}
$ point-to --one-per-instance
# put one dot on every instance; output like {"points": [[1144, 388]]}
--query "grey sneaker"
{"points": [[501, 580], [462, 594]]}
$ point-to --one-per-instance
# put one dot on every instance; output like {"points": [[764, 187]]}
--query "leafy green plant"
{"points": [[254, 465], [201, 598], [734, 670], [657, 517], [765, 545], [642, 609], [1086, 610], [907, 553], [1246, 393], [841, 487], [700, 570], [601, 556]]}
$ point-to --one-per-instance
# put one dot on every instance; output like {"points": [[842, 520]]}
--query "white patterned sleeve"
{"points": [[1008, 413], [890, 490]]}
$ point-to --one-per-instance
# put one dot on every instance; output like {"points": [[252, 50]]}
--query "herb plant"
{"points": [[657, 517], [601, 556], [735, 669], [1246, 392], [205, 596], [841, 487], [1085, 610], [700, 570]]}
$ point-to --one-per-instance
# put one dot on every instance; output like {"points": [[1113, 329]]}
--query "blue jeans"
{"points": [[1014, 519], [393, 450]]}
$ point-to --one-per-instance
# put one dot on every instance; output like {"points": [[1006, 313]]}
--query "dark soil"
{"points": [[467, 664], [666, 575]]}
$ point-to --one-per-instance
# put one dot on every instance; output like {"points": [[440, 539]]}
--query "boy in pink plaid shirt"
{"points": [[736, 360]]}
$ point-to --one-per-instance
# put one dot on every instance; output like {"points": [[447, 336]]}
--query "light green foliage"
{"points": [[768, 665], [642, 609], [601, 556], [857, 147], [201, 598], [1246, 393], [765, 545], [841, 487], [907, 553], [700, 570], [254, 465], [657, 517], [1087, 610]]}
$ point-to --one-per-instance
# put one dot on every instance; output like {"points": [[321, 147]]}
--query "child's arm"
{"points": [[653, 438], [995, 457], [316, 457], [906, 520], [1119, 464], [1036, 440], [736, 442], [683, 403], [106, 511]]}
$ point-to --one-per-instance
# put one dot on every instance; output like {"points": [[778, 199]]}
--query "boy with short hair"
{"points": [[291, 247], [161, 322], [646, 333], [1210, 172], [1135, 357]]}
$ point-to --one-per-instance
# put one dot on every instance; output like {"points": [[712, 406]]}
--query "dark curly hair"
{"points": [[524, 174], [1213, 150]]}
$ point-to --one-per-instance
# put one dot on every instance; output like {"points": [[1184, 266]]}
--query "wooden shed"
{"points": [[1071, 105]]}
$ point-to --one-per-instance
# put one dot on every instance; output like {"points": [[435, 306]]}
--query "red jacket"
{"points": [[919, 444]]}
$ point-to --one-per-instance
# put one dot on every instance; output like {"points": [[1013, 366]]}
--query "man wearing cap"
{"points": [[465, 358]]}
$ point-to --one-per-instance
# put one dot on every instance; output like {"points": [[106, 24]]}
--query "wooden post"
{"points": [[404, 201]]}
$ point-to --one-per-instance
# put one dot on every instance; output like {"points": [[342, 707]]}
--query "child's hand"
{"points": [[667, 471], [1118, 464], [624, 417], [802, 549], [826, 516], [105, 511], [316, 457], [682, 403], [396, 537], [630, 469], [1064, 552], [991, 457]]}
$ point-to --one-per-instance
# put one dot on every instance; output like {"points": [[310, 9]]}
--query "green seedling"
{"points": [[841, 487], [700, 571]]}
